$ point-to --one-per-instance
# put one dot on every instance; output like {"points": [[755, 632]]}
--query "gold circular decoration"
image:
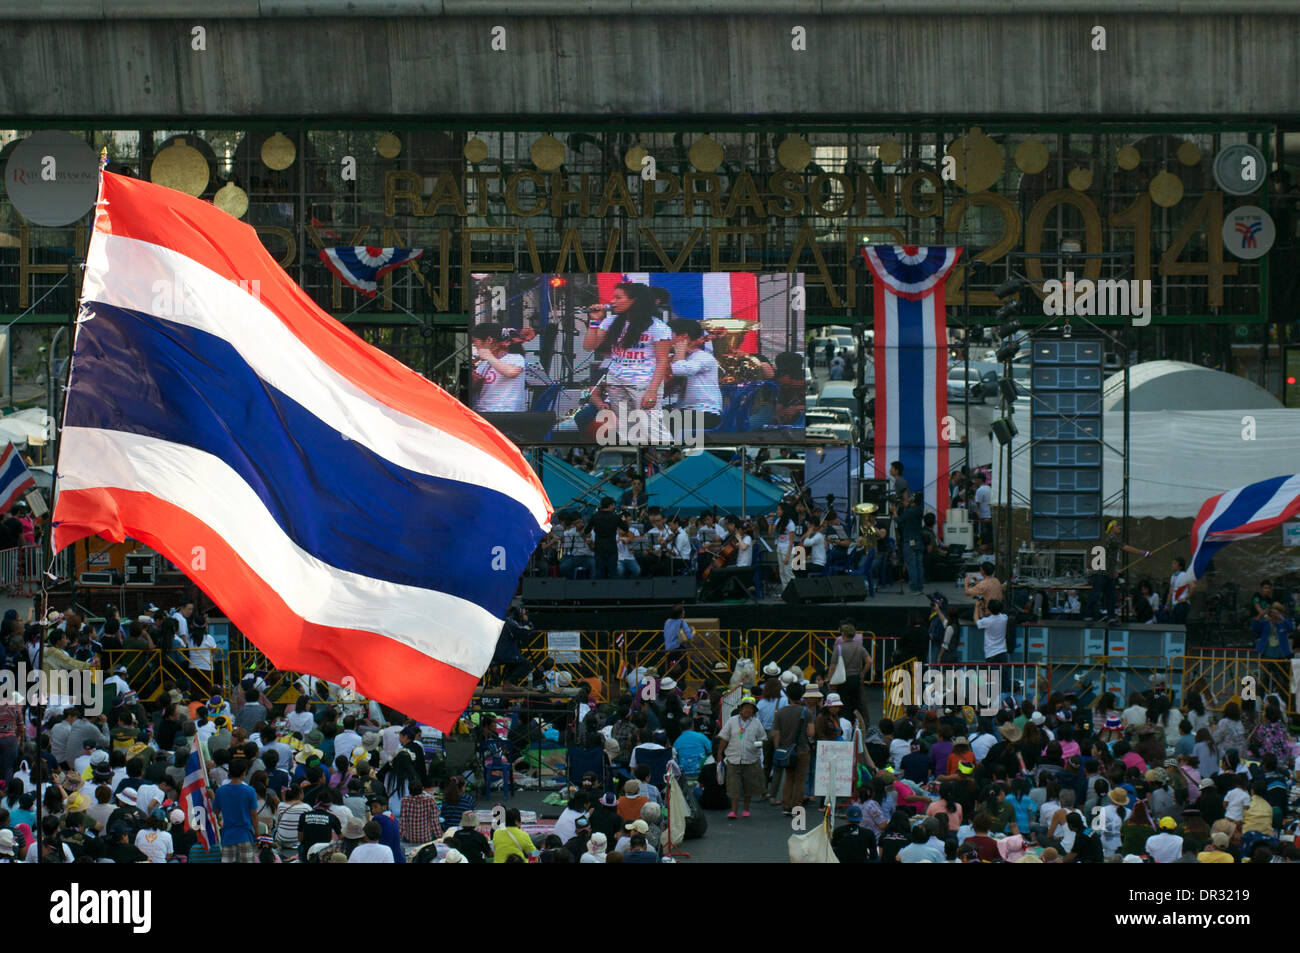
{"points": [[278, 152], [547, 153], [1031, 157], [1080, 179], [388, 146], [1166, 190], [794, 153], [890, 151], [979, 161], [632, 158], [232, 200], [1128, 158], [180, 167], [1189, 153], [476, 150], [705, 154]]}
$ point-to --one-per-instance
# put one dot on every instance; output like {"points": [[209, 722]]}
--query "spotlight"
{"points": [[1008, 388], [1012, 286], [1008, 352], [557, 281], [1006, 314]]}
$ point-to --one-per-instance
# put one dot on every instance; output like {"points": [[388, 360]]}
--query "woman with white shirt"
{"points": [[639, 346], [785, 536], [1112, 815]]}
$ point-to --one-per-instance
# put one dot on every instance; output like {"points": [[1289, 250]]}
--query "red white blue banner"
{"points": [[1241, 513], [361, 266], [197, 799], [350, 517], [911, 362]]}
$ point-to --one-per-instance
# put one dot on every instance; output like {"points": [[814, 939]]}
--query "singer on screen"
{"points": [[639, 345]]}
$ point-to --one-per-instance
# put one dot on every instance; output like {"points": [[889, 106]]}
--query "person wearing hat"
{"points": [[1273, 633], [629, 831], [1216, 851], [596, 848], [1113, 814], [1166, 845], [850, 649], [604, 816], [851, 842], [470, 841], [7, 844], [369, 851], [740, 748], [1101, 600]]}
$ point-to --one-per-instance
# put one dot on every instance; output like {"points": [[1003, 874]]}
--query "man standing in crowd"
{"points": [[740, 747], [1180, 592], [1273, 633]]}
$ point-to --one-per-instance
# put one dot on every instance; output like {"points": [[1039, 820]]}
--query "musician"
{"points": [[678, 542], [863, 553], [639, 346], [635, 497], [499, 373], [654, 556], [605, 527], [785, 538], [741, 535], [628, 567], [838, 544], [697, 366], [814, 544]]}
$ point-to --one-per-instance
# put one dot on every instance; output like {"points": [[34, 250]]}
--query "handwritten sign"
{"points": [[834, 769]]}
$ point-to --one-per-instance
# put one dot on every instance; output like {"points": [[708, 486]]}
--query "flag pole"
{"points": [[47, 541]]}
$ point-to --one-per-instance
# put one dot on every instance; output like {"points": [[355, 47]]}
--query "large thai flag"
{"points": [[911, 357], [351, 518], [1241, 513], [15, 478], [699, 297], [198, 799]]}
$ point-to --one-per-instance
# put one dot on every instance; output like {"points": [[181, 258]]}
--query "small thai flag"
{"points": [[15, 478], [361, 266]]}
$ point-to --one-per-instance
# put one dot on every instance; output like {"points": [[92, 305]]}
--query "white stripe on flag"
{"points": [[222, 308], [436, 624]]}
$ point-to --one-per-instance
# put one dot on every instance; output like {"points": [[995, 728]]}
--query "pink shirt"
{"points": [[1134, 760]]}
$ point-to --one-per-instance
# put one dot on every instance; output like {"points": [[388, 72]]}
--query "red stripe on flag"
{"points": [[232, 249], [386, 670], [881, 344], [744, 305], [941, 498]]}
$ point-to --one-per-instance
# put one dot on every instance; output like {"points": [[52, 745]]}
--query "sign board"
{"points": [[1291, 534], [564, 647], [834, 769]]}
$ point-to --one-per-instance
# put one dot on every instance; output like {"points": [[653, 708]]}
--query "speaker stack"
{"points": [[1065, 418]]}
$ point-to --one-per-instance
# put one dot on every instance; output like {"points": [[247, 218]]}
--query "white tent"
{"points": [[1178, 458], [1177, 385], [26, 426]]}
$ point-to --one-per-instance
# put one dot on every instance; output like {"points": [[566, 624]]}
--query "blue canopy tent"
{"points": [[565, 484], [704, 481]]}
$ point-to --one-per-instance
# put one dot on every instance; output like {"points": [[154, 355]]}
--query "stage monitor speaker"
{"points": [[1004, 428], [848, 588], [545, 589], [673, 588], [140, 569], [808, 589]]}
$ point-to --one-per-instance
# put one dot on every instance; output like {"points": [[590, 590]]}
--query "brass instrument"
{"points": [[865, 509], [734, 366], [868, 533]]}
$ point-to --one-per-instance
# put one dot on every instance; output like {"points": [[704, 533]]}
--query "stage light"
{"points": [[1065, 330], [1071, 246], [1012, 286], [557, 281], [1008, 352], [1290, 381], [1006, 314]]}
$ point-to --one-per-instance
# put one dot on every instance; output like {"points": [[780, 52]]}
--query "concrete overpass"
{"points": [[431, 60]]}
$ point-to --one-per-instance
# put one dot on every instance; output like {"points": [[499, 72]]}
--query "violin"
{"points": [[726, 555]]}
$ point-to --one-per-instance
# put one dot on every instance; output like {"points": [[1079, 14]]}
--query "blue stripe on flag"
{"points": [[687, 294], [912, 405], [335, 498]]}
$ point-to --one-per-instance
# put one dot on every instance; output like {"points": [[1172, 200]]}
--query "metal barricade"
{"points": [[637, 647], [810, 649], [1220, 675]]}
